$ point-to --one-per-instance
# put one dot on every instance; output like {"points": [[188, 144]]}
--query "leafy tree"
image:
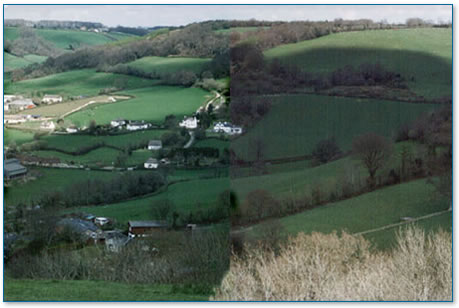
{"points": [[326, 150]]}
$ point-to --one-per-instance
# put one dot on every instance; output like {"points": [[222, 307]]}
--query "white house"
{"points": [[151, 163], [117, 122], [51, 99], [10, 98], [227, 128], [134, 125], [189, 122], [71, 130], [48, 125], [155, 145], [101, 221]]}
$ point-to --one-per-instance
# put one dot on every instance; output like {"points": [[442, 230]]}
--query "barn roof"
{"points": [[147, 224]]}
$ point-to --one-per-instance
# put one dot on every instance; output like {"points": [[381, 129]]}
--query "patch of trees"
{"points": [[52, 24], [326, 150], [96, 192], [246, 111], [130, 30], [29, 42]]}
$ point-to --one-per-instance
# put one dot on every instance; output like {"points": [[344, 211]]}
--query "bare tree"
{"points": [[373, 150]]}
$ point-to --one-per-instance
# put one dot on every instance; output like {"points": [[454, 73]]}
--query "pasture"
{"points": [[422, 56], [150, 104], [12, 62], [165, 65], [99, 157], [17, 136], [85, 82], [64, 38], [190, 196], [296, 123], [49, 180], [372, 210], [212, 143], [86, 290]]}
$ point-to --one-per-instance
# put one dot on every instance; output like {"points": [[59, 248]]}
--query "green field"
{"points": [[423, 54], [150, 104], [12, 62], [372, 210], [164, 65], [188, 196], [212, 143], [49, 180], [74, 83], [84, 290], [17, 136], [296, 123], [98, 157], [63, 38]]}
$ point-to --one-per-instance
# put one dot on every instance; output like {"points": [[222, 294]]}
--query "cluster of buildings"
{"points": [[129, 125], [227, 128], [15, 103], [13, 169], [189, 122]]}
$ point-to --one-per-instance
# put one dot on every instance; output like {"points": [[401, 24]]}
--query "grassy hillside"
{"points": [[62, 38], [372, 210], [12, 62], [422, 56], [150, 104], [17, 136], [83, 290], [98, 157], [163, 65], [188, 196], [73, 83], [48, 180], [298, 178], [296, 123]]}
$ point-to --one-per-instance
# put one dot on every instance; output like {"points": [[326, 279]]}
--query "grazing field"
{"points": [[17, 136], [49, 180], [190, 196], [75, 142], [296, 123], [423, 57], [213, 143], [84, 290], [85, 82], [298, 179], [240, 29], [12, 62], [372, 210], [149, 104], [64, 38], [165, 65]]}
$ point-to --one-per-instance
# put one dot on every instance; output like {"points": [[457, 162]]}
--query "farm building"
{"points": [[151, 163], [71, 130], [21, 104], [100, 221], [135, 125], [227, 128], [189, 122], [14, 119], [87, 230], [48, 125], [51, 99], [155, 145], [13, 169], [117, 122], [115, 240], [142, 228], [10, 98]]}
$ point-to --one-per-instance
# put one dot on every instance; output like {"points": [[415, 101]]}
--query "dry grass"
{"points": [[321, 267]]}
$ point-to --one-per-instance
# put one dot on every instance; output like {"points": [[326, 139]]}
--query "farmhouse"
{"points": [[71, 130], [142, 228], [87, 230], [115, 240], [21, 104], [51, 99], [117, 122], [151, 163], [155, 145], [10, 98], [227, 128], [13, 169], [189, 122], [48, 125], [135, 125]]}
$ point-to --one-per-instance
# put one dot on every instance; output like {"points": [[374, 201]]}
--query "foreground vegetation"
{"points": [[321, 267], [89, 290]]}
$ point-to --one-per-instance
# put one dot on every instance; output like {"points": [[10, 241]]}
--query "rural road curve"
{"points": [[190, 142]]}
